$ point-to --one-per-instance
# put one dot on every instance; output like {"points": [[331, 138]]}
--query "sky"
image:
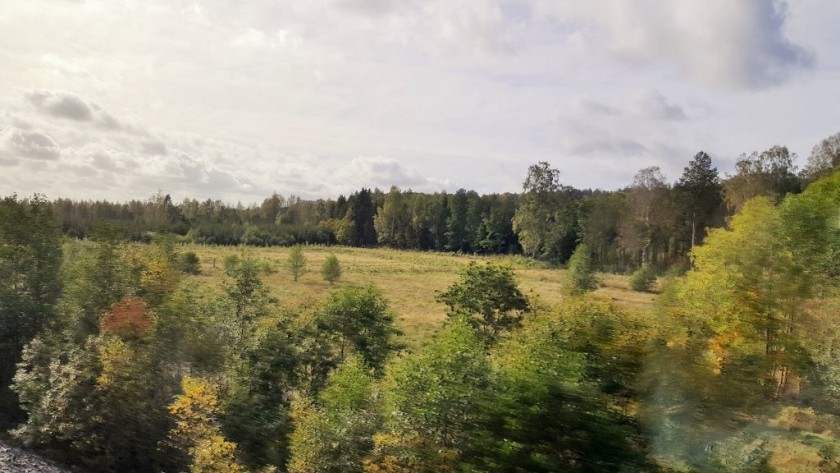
{"points": [[231, 100]]}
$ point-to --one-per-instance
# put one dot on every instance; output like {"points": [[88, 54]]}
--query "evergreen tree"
{"points": [[701, 196]]}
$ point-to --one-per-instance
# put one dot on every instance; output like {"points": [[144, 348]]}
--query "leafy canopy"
{"points": [[488, 297]]}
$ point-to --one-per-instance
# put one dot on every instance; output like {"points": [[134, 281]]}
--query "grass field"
{"points": [[408, 279]]}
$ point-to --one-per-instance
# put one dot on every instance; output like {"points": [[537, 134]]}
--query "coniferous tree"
{"points": [[701, 196]]}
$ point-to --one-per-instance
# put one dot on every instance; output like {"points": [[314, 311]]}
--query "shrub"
{"points": [[231, 262], [580, 277], [189, 263], [331, 269], [643, 279]]}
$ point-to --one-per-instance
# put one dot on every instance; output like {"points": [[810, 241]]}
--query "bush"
{"points": [[580, 277], [189, 263], [231, 262], [331, 269], [266, 267], [643, 279]]}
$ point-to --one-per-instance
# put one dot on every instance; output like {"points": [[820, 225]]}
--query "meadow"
{"points": [[408, 279]]}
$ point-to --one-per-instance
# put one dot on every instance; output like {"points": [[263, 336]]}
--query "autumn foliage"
{"points": [[128, 318]]}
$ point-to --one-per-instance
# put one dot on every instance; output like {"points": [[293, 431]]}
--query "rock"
{"points": [[15, 460]]}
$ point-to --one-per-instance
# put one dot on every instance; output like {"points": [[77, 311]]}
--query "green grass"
{"points": [[409, 279]]}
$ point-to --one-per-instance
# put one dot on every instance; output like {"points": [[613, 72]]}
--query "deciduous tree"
{"points": [[546, 221], [331, 269], [296, 262], [488, 297], [362, 322]]}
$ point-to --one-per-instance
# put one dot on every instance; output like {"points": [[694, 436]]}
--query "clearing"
{"points": [[409, 279]]}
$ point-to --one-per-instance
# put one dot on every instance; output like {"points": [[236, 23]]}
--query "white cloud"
{"points": [[250, 39], [734, 43], [317, 98], [16, 143]]}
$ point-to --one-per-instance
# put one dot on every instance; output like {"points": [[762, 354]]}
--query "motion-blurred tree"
{"points": [[30, 257], [362, 322]]}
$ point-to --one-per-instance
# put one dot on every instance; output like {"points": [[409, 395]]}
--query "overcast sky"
{"points": [[234, 100]]}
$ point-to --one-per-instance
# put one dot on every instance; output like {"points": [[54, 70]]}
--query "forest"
{"points": [[115, 355], [651, 221]]}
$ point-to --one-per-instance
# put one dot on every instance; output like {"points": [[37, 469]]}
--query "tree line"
{"points": [[651, 221]]}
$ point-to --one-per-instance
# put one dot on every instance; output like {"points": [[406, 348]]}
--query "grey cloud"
{"points": [[580, 139], [377, 171], [60, 105], [27, 144], [592, 107], [652, 104], [113, 161], [739, 44], [775, 57], [153, 148], [104, 162], [605, 145], [190, 172], [64, 105], [371, 7]]}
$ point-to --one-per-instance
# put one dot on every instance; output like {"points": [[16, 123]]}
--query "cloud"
{"points": [[60, 105], [383, 172], [63, 66], [592, 107], [64, 105], [600, 145], [652, 104], [252, 38], [27, 144], [151, 148], [647, 103], [371, 7], [732, 43]]}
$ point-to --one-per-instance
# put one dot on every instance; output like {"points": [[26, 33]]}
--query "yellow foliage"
{"points": [[196, 428], [159, 280], [720, 347], [409, 453], [116, 358], [195, 410], [215, 455]]}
